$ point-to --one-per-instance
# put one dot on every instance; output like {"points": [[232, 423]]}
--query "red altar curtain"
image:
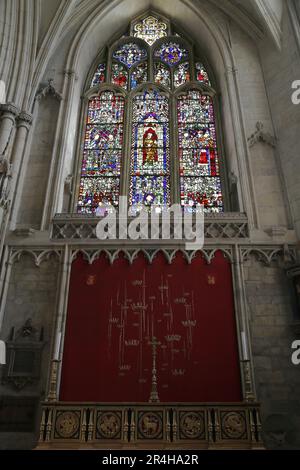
{"points": [[115, 310]]}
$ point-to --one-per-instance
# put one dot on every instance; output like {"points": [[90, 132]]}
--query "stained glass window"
{"points": [[198, 155], [150, 29], [119, 75], [138, 75], [182, 74], [150, 179], [162, 74], [101, 165], [130, 54], [151, 128], [171, 53], [201, 74], [99, 75]]}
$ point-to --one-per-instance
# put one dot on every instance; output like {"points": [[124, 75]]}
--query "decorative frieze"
{"points": [[165, 425], [69, 227]]}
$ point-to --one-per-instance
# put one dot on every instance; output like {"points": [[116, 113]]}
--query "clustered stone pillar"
{"points": [[8, 112], [23, 123]]}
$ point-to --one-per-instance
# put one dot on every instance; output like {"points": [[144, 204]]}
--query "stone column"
{"points": [[9, 112], [245, 353], [23, 124], [60, 326]]}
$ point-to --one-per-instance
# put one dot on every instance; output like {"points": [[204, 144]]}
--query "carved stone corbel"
{"points": [[261, 136]]}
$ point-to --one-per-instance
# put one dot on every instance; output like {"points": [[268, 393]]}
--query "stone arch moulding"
{"points": [[130, 255], [213, 42]]}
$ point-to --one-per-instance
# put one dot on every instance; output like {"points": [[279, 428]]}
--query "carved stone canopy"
{"points": [[48, 90]]}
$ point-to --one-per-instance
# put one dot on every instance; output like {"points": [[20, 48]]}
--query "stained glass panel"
{"points": [[139, 75], [99, 76], [171, 53], [130, 53], [201, 74], [182, 74], [198, 155], [162, 74], [150, 150], [101, 164], [150, 29], [119, 75]]}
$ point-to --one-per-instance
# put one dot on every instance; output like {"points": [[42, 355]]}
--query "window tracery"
{"points": [[160, 79]]}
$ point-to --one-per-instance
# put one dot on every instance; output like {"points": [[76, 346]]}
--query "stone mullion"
{"points": [[174, 154], [126, 154]]}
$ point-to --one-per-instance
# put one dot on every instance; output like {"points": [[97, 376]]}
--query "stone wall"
{"points": [[31, 294], [281, 68], [271, 312]]}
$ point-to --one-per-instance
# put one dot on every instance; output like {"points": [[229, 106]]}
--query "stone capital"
{"points": [[24, 119], [9, 111]]}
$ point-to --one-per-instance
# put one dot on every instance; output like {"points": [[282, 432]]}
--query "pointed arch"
{"points": [[147, 159]]}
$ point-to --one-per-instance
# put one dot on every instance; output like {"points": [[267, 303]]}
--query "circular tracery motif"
{"points": [[171, 53], [67, 424], [150, 425], [191, 425], [233, 425], [108, 425]]}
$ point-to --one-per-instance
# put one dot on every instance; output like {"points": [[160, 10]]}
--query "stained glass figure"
{"points": [[150, 29], [139, 75], [171, 53], [119, 75], [182, 74], [201, 74], [101, 165], [162, 74], [198, 155], [150, 150], [99, 76], [130, 54]]}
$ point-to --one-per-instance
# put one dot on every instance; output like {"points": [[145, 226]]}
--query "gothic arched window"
{"points": [[150, 131]]}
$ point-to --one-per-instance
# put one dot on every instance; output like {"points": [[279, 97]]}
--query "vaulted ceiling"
{"points": [[259, 18]]}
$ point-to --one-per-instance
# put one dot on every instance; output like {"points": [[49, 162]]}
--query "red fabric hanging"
{"points": [[107, 356]]}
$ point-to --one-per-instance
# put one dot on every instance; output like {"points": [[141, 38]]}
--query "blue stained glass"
{"points": [[162, 74], [99, 76], [101, 163], [130, 54], [150, 150], [198, 156], [138, 75], [171, 53]]}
